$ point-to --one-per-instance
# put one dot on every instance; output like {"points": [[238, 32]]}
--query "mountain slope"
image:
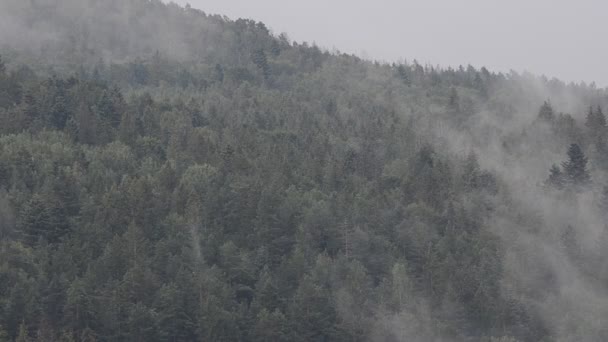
{"points": [[171, 175]]}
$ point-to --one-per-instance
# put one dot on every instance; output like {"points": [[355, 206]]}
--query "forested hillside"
{"points": [[169, 175]]}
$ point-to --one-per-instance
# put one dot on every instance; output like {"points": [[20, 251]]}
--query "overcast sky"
{"points": [[567, 39]]}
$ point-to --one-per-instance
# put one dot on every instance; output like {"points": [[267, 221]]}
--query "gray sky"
{"points": [[567, 39]]}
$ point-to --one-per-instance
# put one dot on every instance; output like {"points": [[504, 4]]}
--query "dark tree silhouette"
{"points": [[556, 178], [546, 112], [575, 168]]}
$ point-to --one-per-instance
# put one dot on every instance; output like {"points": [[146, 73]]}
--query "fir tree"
{"points": [[403, 74], [261, 61], [454, 101], [569, 242], [556, 178], [596, 124], [603, 201], [546, 112], [2, 67], [4, 335], [596, 120], [23, 335], [575, 169]]}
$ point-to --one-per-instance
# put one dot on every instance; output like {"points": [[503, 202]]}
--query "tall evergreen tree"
{"points": [[603, 200], [23, 335], [2, 66], [403, 74], [4, 335], [546, 112], [261, 61], [556, 178], [569, 242], [596, 120], [596, 124], [575, 168], [454, 101]]}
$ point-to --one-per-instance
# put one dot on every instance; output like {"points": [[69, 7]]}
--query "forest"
{"points": [[171, 175]]}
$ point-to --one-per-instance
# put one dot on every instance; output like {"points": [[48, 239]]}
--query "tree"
{"points": [[556, 178], [2, 67], [546, 112], [454, 101], [569, 242], [472, 172], [3, 335], [260, 60], [218, 73], [271, 326], [23, 335], [403, 74], [86, 122], [596, 120], [78, 308], [575, 169], [43, 217], [401, 286], [313, 316], [7, 216], [603, 202]]}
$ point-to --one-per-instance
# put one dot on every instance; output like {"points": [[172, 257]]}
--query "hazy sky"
{"points": [[567, 39]]}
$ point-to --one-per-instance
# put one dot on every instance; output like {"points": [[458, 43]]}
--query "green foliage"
{"points": [[3, 335], [23, 335], [237, 186]]}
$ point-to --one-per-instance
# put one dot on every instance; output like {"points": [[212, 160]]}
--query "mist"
{"points": [[377, 173], [561, 39]]}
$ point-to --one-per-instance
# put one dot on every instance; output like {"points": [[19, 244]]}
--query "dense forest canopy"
{"points": [[169, 175]]}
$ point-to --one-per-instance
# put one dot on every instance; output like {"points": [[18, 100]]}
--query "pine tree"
{"points": [[590, 118], [556, 178], [271, 326], [67, 336], [546, 112], [575, 169], [454, 101], [218, 73], [603, 201], [2, 67], [23, 335], [600, 117], [260, 60], [596, 123], [403, 74], [3, 335], [43, 217], [569, 242], [595, 119], [471, 173]]}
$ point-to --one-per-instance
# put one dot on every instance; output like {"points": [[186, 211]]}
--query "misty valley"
{"points": [[172, 175]]}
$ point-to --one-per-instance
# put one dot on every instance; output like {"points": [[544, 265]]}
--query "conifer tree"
{"points": [[596, 123], [403, 74], [2, 67], [595, 119], [575, 169], [3, 335], [556, 178], [261, 61], [546, 112], [569, 242], [23, 335], [603, 201], [454, 101]]}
